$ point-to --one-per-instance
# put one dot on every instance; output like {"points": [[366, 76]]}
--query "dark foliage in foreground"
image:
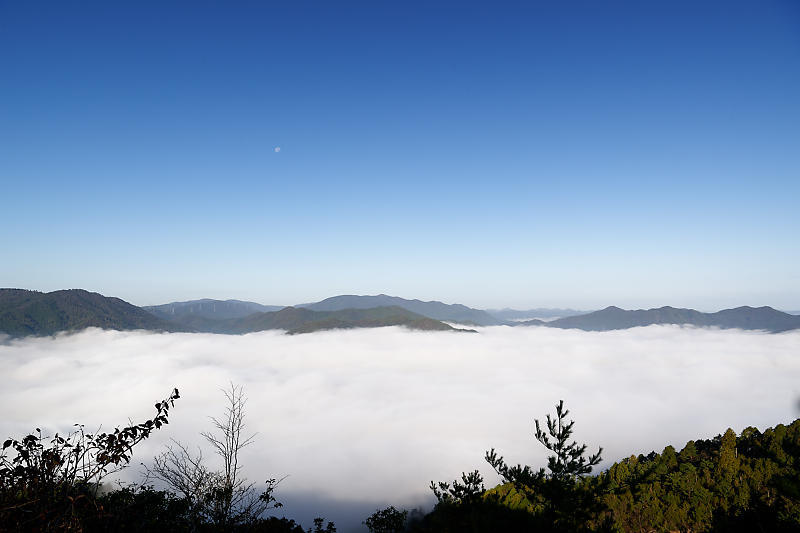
{"points": [[528, 500], [50, 483], [749, 483], [222, 498], [729, 483], [55, 484], [144, 509], [388, 520]]}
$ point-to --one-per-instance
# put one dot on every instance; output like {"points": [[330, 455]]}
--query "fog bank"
{"points": [[369, 417]]}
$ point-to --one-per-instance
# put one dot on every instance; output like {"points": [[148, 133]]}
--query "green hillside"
{"points": [[300, 320], [372, 318], [24, 312]]}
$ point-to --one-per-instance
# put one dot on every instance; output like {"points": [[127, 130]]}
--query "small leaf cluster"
{"points": [[469, 490], [388, 520]]}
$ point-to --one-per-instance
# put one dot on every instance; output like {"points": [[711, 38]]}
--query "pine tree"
{"points": [[564, 504]]}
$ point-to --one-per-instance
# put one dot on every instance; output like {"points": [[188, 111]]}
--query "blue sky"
{"points": [[524, 154]]}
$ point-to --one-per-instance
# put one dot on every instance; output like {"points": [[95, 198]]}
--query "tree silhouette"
{"points": [[556, 496], [388, 520], [568, 463], [51, 483], [528, 498], [223, 498]]}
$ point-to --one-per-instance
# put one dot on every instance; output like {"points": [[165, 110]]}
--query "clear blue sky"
{"points": [[497, 154]]}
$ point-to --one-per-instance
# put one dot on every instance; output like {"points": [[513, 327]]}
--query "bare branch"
{"points": [[223, 498]]}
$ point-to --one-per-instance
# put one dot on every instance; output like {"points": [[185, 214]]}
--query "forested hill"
{"points": [[24, 312], [744, 483], [611, 318], [436, 310], [300, 320]]}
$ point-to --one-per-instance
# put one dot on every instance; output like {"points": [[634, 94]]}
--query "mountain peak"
{"points": [[436, 310], [36, 313]]}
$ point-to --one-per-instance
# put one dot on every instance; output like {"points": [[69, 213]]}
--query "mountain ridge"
{"points": [[24, 312], [209, 308], [432, 309], [507, 313], [614, 318]]}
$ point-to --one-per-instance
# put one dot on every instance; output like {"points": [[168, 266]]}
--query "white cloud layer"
{"points": [[368, 417]]}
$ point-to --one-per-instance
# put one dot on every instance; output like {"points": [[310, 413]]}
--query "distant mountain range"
{"points": [[24, 312], [436, 310], [611, 318], [541, 312], [206, 308]]}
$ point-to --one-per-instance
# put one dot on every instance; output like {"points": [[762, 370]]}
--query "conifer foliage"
{"points": [[744, 483]]}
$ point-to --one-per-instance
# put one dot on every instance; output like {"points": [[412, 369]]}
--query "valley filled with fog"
{"points": [[364, 418]]}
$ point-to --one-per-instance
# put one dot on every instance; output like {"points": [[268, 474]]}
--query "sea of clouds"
{"points": [[361, 419]]}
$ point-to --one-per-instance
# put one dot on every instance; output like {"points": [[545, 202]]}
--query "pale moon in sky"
{"points": [[277, 149]]}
